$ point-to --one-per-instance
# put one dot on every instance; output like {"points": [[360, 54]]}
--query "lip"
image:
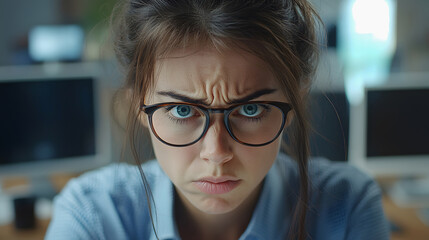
{"points": [[216, 185]]}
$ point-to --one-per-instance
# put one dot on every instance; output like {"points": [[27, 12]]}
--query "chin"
{"points": [[216, 205]]}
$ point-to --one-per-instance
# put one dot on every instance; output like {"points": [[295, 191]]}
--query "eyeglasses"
{"points": [[255, 123]]}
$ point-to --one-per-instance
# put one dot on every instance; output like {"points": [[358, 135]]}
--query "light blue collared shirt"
{"points": [[111, 203]]}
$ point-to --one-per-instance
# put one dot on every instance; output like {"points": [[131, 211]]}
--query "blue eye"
{"points": [[250, 110], [182, 111]]}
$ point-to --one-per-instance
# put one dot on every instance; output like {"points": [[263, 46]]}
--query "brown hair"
{"points": [[280, 32]]}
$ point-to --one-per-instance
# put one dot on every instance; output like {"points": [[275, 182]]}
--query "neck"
{"points": [[195, 224]]}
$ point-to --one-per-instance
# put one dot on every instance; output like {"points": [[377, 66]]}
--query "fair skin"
{"points": [[217, 79]]}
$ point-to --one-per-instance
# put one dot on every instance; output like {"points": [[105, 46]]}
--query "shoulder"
{"points": [[345, 203], [327, 176], [109, 201], [118, 180], [340, 186], [340, 177]]}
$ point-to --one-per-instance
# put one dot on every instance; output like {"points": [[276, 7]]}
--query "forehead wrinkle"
{"points": [[250, 77], [218, 78], [223, 84], [211, 76], [218, 86]]}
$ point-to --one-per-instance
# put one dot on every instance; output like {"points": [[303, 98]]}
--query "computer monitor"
{"points": [[390, 128], [53, 120], [329, 117]]}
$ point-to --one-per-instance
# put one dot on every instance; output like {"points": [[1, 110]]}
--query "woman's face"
{"points": [[216, 175]]}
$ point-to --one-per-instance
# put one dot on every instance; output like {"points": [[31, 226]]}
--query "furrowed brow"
{"points": [[182, 98], [252, 96], [244, 99]]}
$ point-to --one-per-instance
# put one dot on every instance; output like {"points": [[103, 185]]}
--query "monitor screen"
{"points": [[397, 122], [46, 119]]}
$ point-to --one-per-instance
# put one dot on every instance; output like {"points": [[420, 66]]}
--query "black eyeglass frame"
{"points": [[150, 109]]}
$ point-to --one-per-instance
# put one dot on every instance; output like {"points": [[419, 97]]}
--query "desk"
{"points": [[412, 227], [407, 219], [8, 232]]}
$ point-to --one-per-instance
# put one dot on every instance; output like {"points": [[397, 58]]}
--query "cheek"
{"points": [[173, 160], [258, 160]]}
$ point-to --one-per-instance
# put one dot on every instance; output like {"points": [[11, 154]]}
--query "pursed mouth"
{"points": [[218, 179], [217, 186]]}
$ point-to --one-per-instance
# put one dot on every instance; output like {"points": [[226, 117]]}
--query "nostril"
{"points": [[217, 157]]}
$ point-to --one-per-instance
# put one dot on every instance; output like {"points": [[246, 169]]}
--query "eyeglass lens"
{"points": [[250, 123]]}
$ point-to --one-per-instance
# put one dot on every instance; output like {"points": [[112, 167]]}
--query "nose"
{"points": [[215, 143]]}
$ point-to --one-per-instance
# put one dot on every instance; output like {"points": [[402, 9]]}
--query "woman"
{"points": [[218, 83]]}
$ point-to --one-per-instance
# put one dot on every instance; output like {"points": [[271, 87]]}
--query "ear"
{"points": [[289, 118], [144, 119]]}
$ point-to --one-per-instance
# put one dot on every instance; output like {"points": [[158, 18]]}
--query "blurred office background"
{"points": [[368, 43]]}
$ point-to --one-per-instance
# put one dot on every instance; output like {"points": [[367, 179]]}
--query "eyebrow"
{"points": [[182, 98], [201, 101]]}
